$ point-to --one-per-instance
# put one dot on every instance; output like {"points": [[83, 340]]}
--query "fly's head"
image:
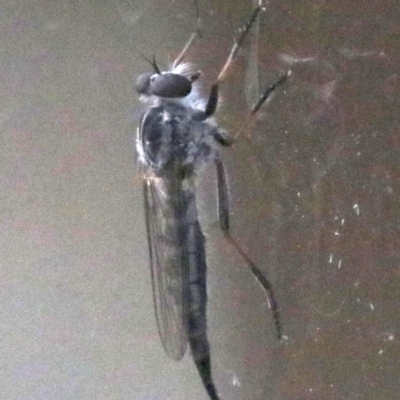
{"points": [[166, 84]]}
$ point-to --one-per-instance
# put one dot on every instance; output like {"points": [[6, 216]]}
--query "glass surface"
{"points": [[315, 201]]}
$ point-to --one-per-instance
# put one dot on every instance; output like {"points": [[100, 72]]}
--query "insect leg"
{"points": [[223, 196], [268, 91], [213, 97], [263, 98], [223, 213], [193, 36], [239, 41]]}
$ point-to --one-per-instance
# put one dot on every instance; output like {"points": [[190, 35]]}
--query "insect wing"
{"points": [[167, 270]]}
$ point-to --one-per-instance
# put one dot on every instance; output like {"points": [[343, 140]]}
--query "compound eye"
{"points": [[170, 85], [142, 85]]}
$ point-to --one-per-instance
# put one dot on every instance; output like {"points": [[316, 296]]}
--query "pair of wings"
{"points": [[169, 274]]}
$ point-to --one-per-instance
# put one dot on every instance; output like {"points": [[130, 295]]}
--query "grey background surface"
{"points": [[314, 196]]}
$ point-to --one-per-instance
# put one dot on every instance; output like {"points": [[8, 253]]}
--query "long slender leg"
{"points": [[239, 41], [223, 213], [263, 98], [223, 196], [193, 36], [213, 97]]}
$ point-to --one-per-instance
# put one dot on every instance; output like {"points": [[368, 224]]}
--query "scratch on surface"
{"points": [[331, 314]]}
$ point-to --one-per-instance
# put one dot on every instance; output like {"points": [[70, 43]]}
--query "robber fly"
{"points": [[176, 136]]}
